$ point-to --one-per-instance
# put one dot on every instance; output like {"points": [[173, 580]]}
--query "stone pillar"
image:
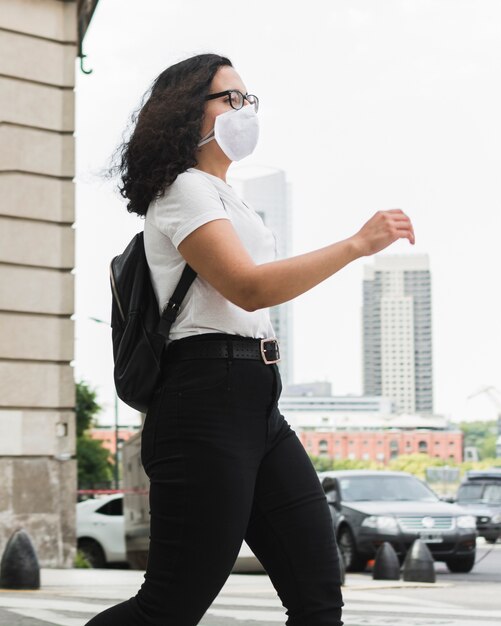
{"points": [[38, 47]]}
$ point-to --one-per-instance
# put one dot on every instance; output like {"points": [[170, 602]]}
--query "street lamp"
{"points": [[115, 469]]}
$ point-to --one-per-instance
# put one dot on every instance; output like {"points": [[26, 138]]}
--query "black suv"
{"points": [[480, 494], [370, 507]]}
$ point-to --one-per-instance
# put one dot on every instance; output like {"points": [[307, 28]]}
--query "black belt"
{"points": [[265, 350]]}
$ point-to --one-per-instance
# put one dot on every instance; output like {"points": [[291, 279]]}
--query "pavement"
{"points": [[72, 597]]}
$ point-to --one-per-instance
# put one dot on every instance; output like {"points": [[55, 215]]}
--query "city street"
{"points": [[71, 597]]}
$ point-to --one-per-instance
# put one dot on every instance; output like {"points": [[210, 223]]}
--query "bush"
{"points": [[81, 561]]}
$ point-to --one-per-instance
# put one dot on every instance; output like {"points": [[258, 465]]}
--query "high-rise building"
{"points": [[397, 333], [266, 190]]}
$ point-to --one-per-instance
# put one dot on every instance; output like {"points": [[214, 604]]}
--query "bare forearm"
{"points": [[273, 283], [216, 253]]}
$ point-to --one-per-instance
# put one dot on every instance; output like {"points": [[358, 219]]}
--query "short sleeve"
{"points": [[188, 203]]}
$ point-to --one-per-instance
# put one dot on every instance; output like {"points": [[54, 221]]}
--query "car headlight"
{"points": [[381, 522], [466, 521], [496, 518]]}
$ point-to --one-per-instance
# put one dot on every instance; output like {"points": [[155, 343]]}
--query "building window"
{"points": [[323, 446], [423, 447]]}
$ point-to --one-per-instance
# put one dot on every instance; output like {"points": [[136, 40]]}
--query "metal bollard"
{"points": [[19, 568], [419, 565], [387, 565]]}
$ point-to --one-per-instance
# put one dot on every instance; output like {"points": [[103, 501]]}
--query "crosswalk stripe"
{"points": [[460, 612], [362, 608], [46, 603], [55, 619], [246, 614]]}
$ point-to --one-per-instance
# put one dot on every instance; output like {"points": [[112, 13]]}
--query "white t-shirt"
{"points": [[194, 199]]}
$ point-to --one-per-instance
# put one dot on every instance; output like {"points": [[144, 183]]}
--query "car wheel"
{"points": [[92, 552], [491, 539], [461, 564], [353, 560]]}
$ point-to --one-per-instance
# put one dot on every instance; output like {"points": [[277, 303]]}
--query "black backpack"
{"points": [[139, 333]]}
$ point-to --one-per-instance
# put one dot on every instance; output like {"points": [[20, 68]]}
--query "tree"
{"points": [[482, 435], [93, 460], [417, 463]]}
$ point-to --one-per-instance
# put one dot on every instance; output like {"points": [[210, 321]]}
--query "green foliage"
{"points": [[480, 465], [93, 462], [86, 407], [93, 459], [417, 463], [323, 464], [482, 435], [81, 561]]}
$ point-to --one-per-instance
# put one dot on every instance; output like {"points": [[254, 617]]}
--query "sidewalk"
{"points": [[115, 584]]}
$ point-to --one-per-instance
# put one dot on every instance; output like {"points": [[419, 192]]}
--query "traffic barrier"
{"points": [[19, 568], [419, 565], [386, 565]]}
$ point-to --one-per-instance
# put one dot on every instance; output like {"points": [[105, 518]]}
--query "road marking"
{"points": [[49, 603], [461, 612], [353, 595], [361, 609], [246, 614], [390, 621], [55, 619]]}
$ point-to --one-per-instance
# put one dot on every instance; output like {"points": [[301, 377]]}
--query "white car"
{"points": [[100, 530]]}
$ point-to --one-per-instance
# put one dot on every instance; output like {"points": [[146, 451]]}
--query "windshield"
{"points": [[385, 488], [480, 494], [470, 493]]}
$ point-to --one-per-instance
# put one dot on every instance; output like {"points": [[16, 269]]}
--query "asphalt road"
{"points": [[71, 597]]}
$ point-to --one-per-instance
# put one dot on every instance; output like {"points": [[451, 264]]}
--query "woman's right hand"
{"points": [[383, 228]]}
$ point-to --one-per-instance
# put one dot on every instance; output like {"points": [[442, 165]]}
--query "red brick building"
{"points": [[107, 436], [382, 446]]}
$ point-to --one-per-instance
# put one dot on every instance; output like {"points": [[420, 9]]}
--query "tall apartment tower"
{"points": [[267, 192], [397, 333]]}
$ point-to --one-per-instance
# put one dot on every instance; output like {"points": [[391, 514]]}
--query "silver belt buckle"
{"points": [[263, 350]]}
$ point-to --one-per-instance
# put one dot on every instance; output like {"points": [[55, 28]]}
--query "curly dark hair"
{"points": [[167, 130]]}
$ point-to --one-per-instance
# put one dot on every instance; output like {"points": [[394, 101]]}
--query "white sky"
{"points": [[366, 105]]}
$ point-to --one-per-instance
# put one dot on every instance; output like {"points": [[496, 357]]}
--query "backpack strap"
{"points": [[171, 309]]}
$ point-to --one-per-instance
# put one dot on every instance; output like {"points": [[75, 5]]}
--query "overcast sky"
{"points": [[366, 105]]}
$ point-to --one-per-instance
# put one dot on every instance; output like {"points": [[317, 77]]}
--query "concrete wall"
{"points": [[37, 391]]}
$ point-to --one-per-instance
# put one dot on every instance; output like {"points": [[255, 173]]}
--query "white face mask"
{"points": [[236, 132]]}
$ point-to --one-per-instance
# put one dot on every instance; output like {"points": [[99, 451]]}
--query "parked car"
{"points": [[101, 536], [370, 507], [480, 495], [100, 530]]}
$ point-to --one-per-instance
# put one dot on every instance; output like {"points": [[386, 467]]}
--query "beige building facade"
{"points": [[38, 50]]}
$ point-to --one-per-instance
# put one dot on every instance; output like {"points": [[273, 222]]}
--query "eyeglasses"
{"points": [[236, 98]]}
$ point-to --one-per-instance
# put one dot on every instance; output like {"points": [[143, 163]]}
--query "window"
{"points": [[113, 507], [423, 447]]}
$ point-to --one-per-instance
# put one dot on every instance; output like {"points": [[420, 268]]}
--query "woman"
{"points": [[223, 463]]}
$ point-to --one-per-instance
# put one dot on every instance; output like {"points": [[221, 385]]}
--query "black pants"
{"points": [[225, 465]]}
